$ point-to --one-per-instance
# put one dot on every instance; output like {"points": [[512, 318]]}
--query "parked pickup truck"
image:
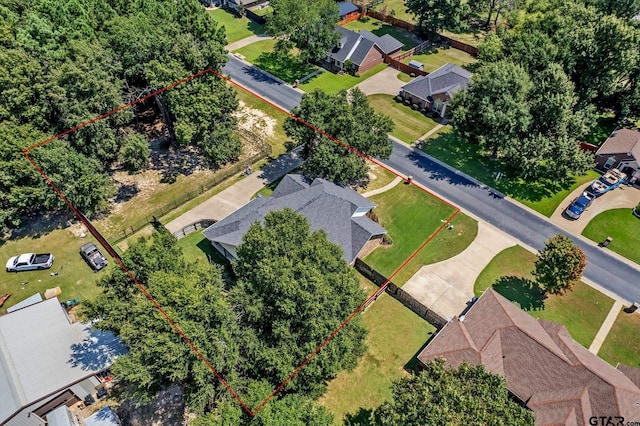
{"points": [[93, 256], [29, 262]]}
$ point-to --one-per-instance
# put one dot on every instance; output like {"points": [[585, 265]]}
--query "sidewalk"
{"points": [[239, 194], [246, 41], [605, 328]]}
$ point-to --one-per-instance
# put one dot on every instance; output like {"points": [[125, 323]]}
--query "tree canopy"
{"points": [[348, 117], [559, 265], [468, 395], [438, 15]]}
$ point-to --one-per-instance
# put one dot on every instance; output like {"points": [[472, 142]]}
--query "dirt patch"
{"points": [[255, 127], [167, 408]]}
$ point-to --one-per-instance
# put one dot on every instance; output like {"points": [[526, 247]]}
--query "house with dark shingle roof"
{"points": [[345, 8], [359, 52], [622, 151], [545, 369], [434, 90], [338, 211]]}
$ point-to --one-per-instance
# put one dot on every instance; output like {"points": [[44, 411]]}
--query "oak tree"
{"points": [[559, 265]]}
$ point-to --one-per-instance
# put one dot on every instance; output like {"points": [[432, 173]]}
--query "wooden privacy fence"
{"points": [[255, 17], [399, 294], [193, 227], [403, 67]]}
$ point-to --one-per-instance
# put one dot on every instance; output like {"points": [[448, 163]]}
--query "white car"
{"points": [[29, 262]]}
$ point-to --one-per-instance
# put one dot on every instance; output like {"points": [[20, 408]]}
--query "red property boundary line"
{"points": [[142, 288]]}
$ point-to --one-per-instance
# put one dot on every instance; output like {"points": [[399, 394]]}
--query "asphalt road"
{"points": [[603, 269], [617, 276], [256, 80]]}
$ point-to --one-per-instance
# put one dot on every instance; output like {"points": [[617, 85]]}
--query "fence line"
{"points": [[217, 178], [403, 67], [413, 51], [399, 294], [193, 227], [255, 17]]}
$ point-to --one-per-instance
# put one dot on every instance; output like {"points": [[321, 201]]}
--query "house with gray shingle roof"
{"points": [[621, 150], [544, 368], [359, 52], [337, 210], [434, 90]]}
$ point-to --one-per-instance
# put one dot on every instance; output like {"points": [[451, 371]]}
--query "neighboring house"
{"points": [[337, 210], [346, 10], [622, 151], [359, 52], [47, 362], [434, 90], [237, 5], [545, 369]]}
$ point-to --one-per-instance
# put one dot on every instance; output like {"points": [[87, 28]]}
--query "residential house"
{"points": [[348, 10], [237, 5], [339, 211], [47, 362], [622, 151], [435, 90], [359, 52], [545, 369]]}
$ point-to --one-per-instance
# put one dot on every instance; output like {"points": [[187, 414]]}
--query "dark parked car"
{"points": [[579, 205], [93, 256]]}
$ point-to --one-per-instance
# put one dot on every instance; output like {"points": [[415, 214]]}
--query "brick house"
{"points": [[359, 52], [622, 151], [434, 90]]}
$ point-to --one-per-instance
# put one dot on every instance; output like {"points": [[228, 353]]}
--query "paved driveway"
{"points": [[386, 81]]}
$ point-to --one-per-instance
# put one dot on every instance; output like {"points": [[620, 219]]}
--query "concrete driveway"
{"points": [[621, 197], [386, 82]]}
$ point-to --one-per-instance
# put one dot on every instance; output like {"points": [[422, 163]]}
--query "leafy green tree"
{"points": [[438, 15], [309, 25], [134, 155], [294, 288], [467, 395], [621, 8], [191, 293], [347, 117], [559, 265], [491, 48]]}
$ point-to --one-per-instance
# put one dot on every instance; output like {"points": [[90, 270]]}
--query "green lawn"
{"points": [[543, 196], [378, 177], [404, 77], [410, 125], [398, 7], [236, 28], [395, 336], [622, 226], [472, 38], [333, 83], [435, 58], [582, 310], [605, 123], [75, 277], [622, 344], [410, 215], [380, 28], [196, 247], [288, 67], [262, 11]]}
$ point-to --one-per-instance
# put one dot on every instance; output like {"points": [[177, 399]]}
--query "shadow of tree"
{"points": [[362, 417], [523, 291]]}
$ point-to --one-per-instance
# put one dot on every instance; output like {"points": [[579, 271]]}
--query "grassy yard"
{"points": [[395, 335], [622, 344], [435, 58], [543, 196], [380, 28], [378, 177], [404, 77], [622, 226], [472, 38], [288, 67], [410, 215], [605, 123], [333, 83], [582, 310], [236, 28], [399, 8], [75, 277], [410, 125]]}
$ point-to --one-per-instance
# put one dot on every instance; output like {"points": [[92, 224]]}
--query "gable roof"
{"points": [[346, 7], [447, 79], [355, 46], [327, 206], [42, 352], [622, 141], [556, 377]]}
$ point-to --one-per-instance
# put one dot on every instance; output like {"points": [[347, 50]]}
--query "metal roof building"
{"points": [[46, 361]]}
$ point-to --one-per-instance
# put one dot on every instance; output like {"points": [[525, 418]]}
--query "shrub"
{"points": [[407, 102], [397, 98], [415, 107], [636, 210], [386, 240], [134, 154], [412, 75]]}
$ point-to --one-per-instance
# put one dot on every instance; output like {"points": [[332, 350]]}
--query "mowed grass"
{"points": [[75, 277], [410, 216], [333, 83], [380, 28], [236, 28], [288, 67], [398, 7], [410, 125], [434, 59], [581, 311], [622, 343], [544, 196], [396, 334], [622, 226], [378, 177]]}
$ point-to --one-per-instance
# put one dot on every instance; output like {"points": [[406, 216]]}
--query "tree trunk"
{"points": [[166, 117], [495, 22], [492, 4]]}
